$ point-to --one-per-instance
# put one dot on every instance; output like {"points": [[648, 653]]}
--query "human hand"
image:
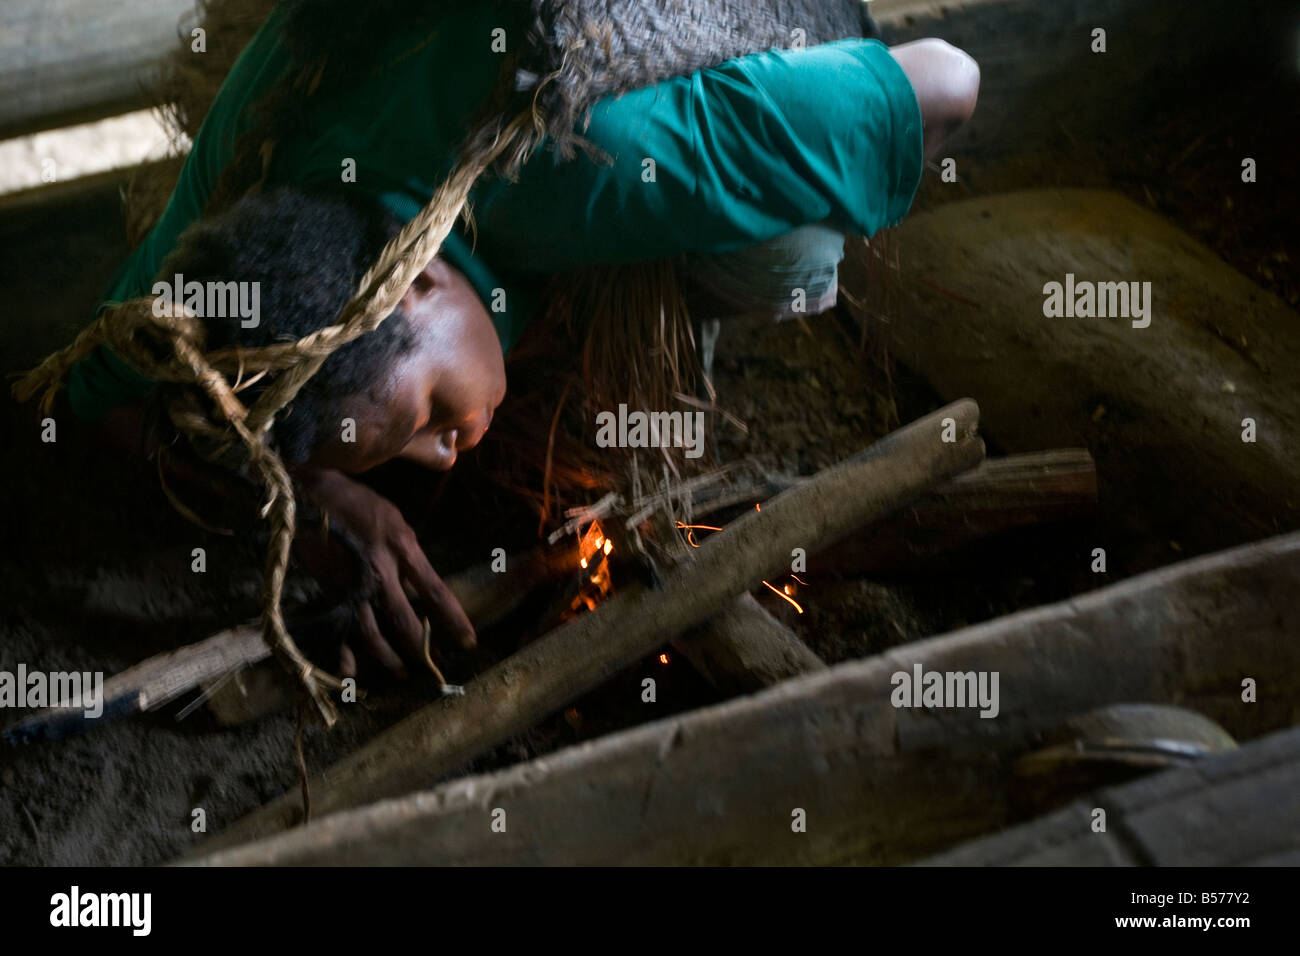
{"points": [[391, 631]]}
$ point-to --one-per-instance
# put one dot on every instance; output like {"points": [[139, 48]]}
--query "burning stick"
{"points": [[544, 676]]}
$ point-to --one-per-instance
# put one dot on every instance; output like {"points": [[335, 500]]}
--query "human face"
{"points": [[438, 399]]}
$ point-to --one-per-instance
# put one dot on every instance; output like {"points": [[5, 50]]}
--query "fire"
{"points": [[663, 658], [593, 565]]}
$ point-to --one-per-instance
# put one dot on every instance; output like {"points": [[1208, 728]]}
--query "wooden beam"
{"points": [[571, 660], [876, 783], [69, 61]]}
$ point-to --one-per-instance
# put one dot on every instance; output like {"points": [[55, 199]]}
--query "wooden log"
{"points": [[1164, 408], [1002, 494], [488, 596], [877, 783], [743, 648], [571, 660], [1033, 487]]}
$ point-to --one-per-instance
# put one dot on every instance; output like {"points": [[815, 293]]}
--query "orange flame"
{"points": [[593, 553]]}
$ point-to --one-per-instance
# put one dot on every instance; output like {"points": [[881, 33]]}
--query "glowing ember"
{"points": [[663, 658]]}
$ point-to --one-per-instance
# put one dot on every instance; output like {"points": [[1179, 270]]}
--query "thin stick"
{"points": [[448, 690]]}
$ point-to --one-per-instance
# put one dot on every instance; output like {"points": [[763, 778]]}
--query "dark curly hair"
{"points": [[307, 249]]}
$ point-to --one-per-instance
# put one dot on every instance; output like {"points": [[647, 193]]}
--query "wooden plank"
{"points": [[878, 783], [70, 61]]}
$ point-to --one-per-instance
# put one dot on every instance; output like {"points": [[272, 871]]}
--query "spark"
{"points": [[784, 597], [690, 530]]}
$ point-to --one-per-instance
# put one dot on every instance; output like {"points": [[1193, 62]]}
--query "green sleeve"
{"points": [[742, 152]]}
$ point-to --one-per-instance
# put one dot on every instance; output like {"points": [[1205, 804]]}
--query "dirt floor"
{"points": [[95, 569]]}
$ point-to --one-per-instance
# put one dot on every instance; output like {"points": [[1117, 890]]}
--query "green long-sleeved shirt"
{"points": [[742, 152]]}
